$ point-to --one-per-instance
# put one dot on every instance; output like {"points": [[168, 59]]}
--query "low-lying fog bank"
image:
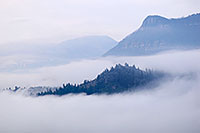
{"points": [[173, 107], [174, 62]]}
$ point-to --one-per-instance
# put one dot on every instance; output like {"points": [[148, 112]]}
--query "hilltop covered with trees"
{"points": [[118, 79]]}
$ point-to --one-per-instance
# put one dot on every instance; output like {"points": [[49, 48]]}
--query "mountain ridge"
{"points": [[34, 55], [117, 79], [157, 34], [85, 47]]}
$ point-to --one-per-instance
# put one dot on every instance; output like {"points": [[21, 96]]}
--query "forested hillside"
{"points": [[118, 79]]}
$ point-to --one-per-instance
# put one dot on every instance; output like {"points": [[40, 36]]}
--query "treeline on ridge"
{"points": [[116, 80]]}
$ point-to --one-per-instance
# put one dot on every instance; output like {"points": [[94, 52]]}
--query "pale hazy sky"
{"points": [[57, 20]]}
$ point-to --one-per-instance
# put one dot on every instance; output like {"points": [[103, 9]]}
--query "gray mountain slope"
{"points": [[85, 47], [23, 56], [158, 34]]}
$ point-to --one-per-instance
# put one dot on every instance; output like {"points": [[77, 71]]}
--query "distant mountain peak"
{"points": [[154, 20], [159, 34], [195, 15]]}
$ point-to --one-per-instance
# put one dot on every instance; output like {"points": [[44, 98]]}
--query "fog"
{"points": [[174, 62], [29, 25], [171, 107]]}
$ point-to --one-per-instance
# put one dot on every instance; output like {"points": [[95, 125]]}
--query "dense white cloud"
{"points": [[173, 107], [175, 62]]}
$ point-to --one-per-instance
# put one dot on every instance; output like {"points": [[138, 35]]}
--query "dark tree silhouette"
{"points": [[118, 79]]}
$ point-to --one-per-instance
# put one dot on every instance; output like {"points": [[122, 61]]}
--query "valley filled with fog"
{"points": [[173, 106], [173, 62], [99, 66]]}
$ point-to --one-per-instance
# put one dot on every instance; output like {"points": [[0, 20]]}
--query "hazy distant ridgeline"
{"points": [[84, 47], [61, 71], [159, 34], [22, 55]]}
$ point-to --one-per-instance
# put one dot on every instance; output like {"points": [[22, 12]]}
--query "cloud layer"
{"points": [[172, 107], [174, 62]]}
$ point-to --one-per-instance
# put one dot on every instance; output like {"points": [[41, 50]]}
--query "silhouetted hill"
{"points": [[117, 79], [158, 34]]}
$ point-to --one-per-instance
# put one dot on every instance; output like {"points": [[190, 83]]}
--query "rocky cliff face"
{"points": [[157, 34], [154, 20]]}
